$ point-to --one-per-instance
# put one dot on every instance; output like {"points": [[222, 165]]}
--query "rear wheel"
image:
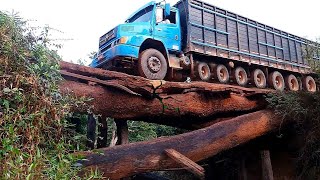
{"points": [[152, 64], [241, 76], [309, 84], [292, 83], [259, 78], [276, 81], [222, 74], [204, 71]]}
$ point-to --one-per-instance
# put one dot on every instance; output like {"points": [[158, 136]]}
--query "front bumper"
{"points": [[120, 50]]}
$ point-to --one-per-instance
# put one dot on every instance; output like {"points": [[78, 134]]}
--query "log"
{"points": [[123, 161], [171, 103], [186, 162]]}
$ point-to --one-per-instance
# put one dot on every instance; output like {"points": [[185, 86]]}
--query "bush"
{"points": [[304, 109], [35, 137]]}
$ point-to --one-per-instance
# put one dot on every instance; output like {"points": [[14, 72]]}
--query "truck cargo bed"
{"points": [[213, 31]]}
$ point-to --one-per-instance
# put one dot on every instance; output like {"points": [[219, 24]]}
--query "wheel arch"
{"points": [[158, 45]]}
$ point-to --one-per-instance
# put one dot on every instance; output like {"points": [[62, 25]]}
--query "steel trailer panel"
{"points": [[213, 31]]}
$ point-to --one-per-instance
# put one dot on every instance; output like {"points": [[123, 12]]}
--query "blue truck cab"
{"points": [[145, 41]]}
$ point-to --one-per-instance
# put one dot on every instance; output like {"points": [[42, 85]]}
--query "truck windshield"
{"points": [[144, 15]]}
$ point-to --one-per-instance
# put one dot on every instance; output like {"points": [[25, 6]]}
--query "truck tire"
{"points": [[309, 84], [152, 64], [241, 76], [204, 71], [276, 81], [259, 78], [292, 83], [222, 74]]}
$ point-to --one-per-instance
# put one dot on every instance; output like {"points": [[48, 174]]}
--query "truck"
{"points": [[199, 41]]}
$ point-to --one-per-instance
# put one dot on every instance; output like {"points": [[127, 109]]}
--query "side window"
{"points": [[172, 18], [166, 20]]}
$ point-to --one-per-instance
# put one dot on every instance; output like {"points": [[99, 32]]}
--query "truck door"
{"points": [[167, 30]]}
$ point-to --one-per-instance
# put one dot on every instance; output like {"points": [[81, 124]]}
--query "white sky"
{"points": [[85, 21]]}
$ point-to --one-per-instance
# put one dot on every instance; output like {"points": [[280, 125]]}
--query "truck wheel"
{"points": [[309, 84], [241, 76], [222, 74], [204, 71], [152, 64], [276, 81], [292, 83], [259, 79]]}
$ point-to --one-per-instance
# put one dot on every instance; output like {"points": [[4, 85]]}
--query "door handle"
{"points": [[159, 29]]}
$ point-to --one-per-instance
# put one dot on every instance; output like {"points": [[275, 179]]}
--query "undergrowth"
{"points": [[36, 139], [304, 109]]}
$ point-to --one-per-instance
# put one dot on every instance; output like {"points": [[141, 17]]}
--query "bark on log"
{"points": [[127, 160], [172, 103]]}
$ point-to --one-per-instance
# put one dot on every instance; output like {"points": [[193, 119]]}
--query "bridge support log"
{"points": [[126, 160]]}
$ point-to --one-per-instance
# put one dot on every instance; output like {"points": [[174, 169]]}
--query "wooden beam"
{"points": [[190, 165]]}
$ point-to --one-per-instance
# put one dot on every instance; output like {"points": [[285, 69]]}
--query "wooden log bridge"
{"points": [[228, 115]]}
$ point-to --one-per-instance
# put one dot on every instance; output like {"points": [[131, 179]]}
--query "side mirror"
{"points": [[167, 9]]}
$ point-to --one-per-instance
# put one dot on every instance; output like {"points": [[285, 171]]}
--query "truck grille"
{"points": [[107, 37]]}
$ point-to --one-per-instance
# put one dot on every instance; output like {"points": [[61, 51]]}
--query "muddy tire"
{"points": [[309, 84], [292, 83], [204, 71], [259, 78], [152, 64], [222, 74], [241, 76], [276, 81]]}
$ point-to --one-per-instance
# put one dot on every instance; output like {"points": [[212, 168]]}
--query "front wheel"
{"points": [[152, 64]]}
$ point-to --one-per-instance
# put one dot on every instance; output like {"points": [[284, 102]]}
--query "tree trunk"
{"points": [[91, 131], [130, 159], [179, 104], [267, 172], [103, 132], [122, 132]]}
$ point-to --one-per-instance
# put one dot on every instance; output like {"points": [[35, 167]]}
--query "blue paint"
{"points": [[121, 50], [152, 3], [277, 47]]}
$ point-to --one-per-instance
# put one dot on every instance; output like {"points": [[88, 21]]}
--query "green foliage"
{"points": [[304, 108], [309, 52], [142, 131], [35, 137]]}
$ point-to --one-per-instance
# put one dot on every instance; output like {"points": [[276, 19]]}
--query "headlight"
{"points": [[123, 40]]}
